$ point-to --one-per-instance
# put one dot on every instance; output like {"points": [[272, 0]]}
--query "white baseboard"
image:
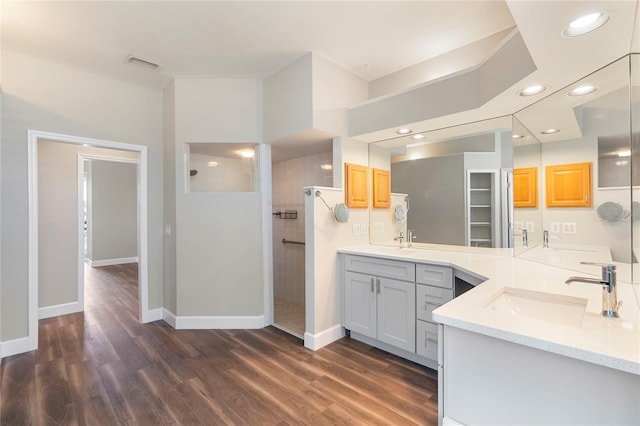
{"points": [[169, 317], [151, 315], [228, 323], [56, 310], [109, 262], [318, 340], [15, 347]]}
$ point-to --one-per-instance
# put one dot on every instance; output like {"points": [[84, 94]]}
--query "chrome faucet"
{"points": [[525, 238], [545, 238], [410, 238], [610, 302], [400, 238]]}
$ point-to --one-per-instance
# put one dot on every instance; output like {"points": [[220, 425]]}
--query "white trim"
{"points": [[319, 340], [32, 164], [169, 317], [153, 315], [223, 323], [16, 346], [62, 309], [109, 262]]}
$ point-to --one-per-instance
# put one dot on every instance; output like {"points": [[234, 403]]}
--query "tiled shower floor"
{"points": [[289, 317]]}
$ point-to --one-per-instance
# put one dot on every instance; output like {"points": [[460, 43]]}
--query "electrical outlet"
{"points": [[363, 229], [378, 227], [167, 230], [555, 227], [568, 227], [355, 229], [530, 227], [517, 226]]}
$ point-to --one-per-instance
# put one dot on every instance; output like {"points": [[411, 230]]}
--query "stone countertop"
{"points": [[613, 343]]}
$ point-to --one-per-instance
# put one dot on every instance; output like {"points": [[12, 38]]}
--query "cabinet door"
{"points": [[381, 182], [397, 313], [569, 185], [525, 187], [356, 186], [360, 303], [427, 339], [429, 298]]}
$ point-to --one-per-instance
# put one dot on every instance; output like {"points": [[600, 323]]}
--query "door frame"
{"points": [[143, 246]]}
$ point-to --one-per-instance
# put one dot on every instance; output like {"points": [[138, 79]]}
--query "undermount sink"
{"points": [[548, 307]]}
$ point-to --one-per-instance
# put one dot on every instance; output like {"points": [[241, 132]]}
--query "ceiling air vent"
{"points": [[130, 59]]}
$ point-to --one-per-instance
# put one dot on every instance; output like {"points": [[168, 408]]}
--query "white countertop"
{"points": [[613, 343]]}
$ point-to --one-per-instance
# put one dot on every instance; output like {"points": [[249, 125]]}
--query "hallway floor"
{"points": [[102, 367]]}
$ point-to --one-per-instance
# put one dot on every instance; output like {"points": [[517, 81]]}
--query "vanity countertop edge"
{"points": [[613, 343]]}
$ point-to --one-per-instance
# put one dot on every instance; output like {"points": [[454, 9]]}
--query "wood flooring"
{"points": [[102, 367]]}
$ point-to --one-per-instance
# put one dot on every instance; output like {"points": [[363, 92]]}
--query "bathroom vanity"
{"points": [[520, 347]]}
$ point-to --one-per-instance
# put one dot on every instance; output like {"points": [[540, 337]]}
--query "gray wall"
{"points": [[113, 210], [218, 236], [44, 96], [436, 192], [58, 219]]}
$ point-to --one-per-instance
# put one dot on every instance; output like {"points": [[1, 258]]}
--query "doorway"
{"points": [[289, 177], [34, 137]]}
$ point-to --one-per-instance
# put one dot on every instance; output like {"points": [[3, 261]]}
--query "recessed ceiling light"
{"points": [[418, 136], [550, 131], [626, 153], [585, 89], [246, 154], [326, 166], [212, 163], [517, 136], [532, 90], [585, 24], [404, 131]]}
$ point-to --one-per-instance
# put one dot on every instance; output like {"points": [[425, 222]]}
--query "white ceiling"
{"points": [[370, 39]]}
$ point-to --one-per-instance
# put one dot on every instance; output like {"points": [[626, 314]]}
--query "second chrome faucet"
{"points": [[610, 302]]}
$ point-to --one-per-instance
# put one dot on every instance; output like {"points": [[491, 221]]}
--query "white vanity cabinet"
{"points": [[388, 304], [434, 288], [378, 306]]}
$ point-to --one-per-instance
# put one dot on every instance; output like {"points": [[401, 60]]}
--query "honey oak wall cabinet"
{"points": [[525, 187], [381, 182], [569, 185], [356, 186]]}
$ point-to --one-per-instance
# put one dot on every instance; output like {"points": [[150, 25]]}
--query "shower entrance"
{"points": [[289, 177]]}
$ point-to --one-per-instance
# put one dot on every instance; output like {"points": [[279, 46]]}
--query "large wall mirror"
{"points": [[448, 186], [579, 139]]}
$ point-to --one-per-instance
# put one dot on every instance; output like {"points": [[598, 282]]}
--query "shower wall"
{"points": [[289, 177]]}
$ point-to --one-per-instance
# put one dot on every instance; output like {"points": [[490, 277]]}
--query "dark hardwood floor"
{"points": [[102, 367]]}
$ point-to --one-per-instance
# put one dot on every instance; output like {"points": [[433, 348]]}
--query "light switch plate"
{"points": [[555, 227], [355, 229], [517, 226], [568, 227], [167, 230], [530, 227]]}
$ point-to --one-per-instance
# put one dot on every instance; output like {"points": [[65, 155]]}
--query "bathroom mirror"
{"points": [[455, 182], [527, 215], [585, 122]]}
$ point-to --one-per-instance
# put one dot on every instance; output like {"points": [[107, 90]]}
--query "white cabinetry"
{"points": [[377, 306], [482, 215], [434, 289], [388, 304]]}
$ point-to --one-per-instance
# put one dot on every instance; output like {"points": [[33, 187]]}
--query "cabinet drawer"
{"points": [[427, 339], [439, 276], [429, 298], [398, 270]]}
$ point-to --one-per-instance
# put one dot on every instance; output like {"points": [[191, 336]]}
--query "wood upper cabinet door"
{"points": [[569, 185], [525, 187], [356, 186], [381, 182]]}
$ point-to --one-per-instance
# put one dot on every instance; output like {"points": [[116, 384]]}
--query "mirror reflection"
{"points": [[448, 186], [584, 173]]}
